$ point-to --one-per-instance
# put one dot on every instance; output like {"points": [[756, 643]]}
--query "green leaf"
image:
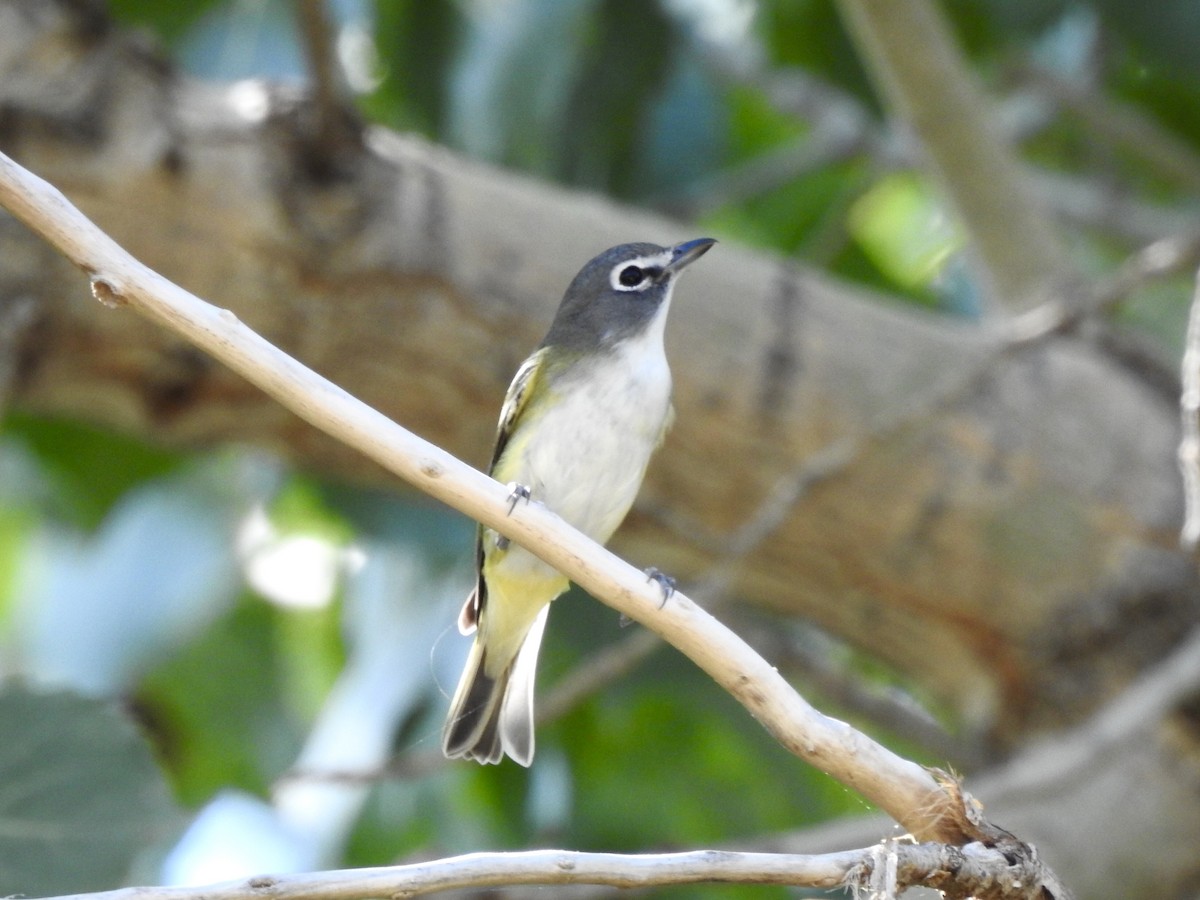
{"points": [[80, 794], [17, 524], [683, 732], [903, 228], [809, 34], [1164, 31], [416, 41], [169, 20], [90, 468], [219, 708]]}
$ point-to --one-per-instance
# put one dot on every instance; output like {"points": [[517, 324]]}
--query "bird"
{"points": [[580, 421]]}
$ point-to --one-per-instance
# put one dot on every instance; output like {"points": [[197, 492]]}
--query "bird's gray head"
{"points": [[617, 294]]}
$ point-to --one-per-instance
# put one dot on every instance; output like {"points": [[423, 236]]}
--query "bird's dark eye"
{"points": [[631, 276]]}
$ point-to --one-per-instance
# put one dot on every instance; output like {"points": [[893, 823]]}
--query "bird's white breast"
{"points": [[591, 447]]}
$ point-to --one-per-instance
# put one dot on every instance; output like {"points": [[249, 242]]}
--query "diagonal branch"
{"points": [[905, 790], [712, 591], [1137, 711], [610, 663]]}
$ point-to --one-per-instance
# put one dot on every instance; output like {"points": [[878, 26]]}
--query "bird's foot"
{"points": [[665, 583], [516, 493]]}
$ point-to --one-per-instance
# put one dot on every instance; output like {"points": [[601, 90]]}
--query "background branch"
{"points": [[1121, 125], [936, 94], [337, 129]]}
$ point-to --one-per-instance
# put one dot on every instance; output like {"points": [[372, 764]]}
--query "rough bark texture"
{"points": [[1004, 531]]}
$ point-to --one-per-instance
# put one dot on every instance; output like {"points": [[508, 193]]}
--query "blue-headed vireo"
{"points": [[580, 421]]}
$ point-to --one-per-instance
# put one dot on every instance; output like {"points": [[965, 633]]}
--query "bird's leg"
{"points": [[516, 493], [664, 581]]}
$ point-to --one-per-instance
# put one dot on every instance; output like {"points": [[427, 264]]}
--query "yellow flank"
{"points": [[518, 583], [518, 586]]}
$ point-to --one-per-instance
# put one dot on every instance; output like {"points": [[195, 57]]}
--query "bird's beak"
{"points": [[688, 251]]}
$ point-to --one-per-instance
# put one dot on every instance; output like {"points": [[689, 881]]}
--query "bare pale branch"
{"points": [[904, 789], [1189, 445], [885, 870]]}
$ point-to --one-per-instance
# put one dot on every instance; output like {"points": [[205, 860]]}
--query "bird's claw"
{"points": [[516, 493], [664, 581]]}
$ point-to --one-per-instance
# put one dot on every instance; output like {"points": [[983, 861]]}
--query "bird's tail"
{"points": [[493, 715]]}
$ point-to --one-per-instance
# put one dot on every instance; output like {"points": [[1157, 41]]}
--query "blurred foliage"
{"points": [[666, 105], [201, 723], [900, 226], [82, 795], [90, 470]]}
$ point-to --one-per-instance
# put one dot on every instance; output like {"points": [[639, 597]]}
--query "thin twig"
{"points": [[893, 866], [1160, 259], [712, 591], [337, 127], [761, 174], [810, 656], [544, 867], [1114, 210], [1189, 410], [1132, 714], [1121, 124], [596, 672]]}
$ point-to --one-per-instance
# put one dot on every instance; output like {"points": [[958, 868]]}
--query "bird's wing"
{"points": [[510, 414], [514, 402]]}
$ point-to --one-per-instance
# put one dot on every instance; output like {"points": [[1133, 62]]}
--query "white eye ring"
{"points": [[640, 272], [629, 277]]}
